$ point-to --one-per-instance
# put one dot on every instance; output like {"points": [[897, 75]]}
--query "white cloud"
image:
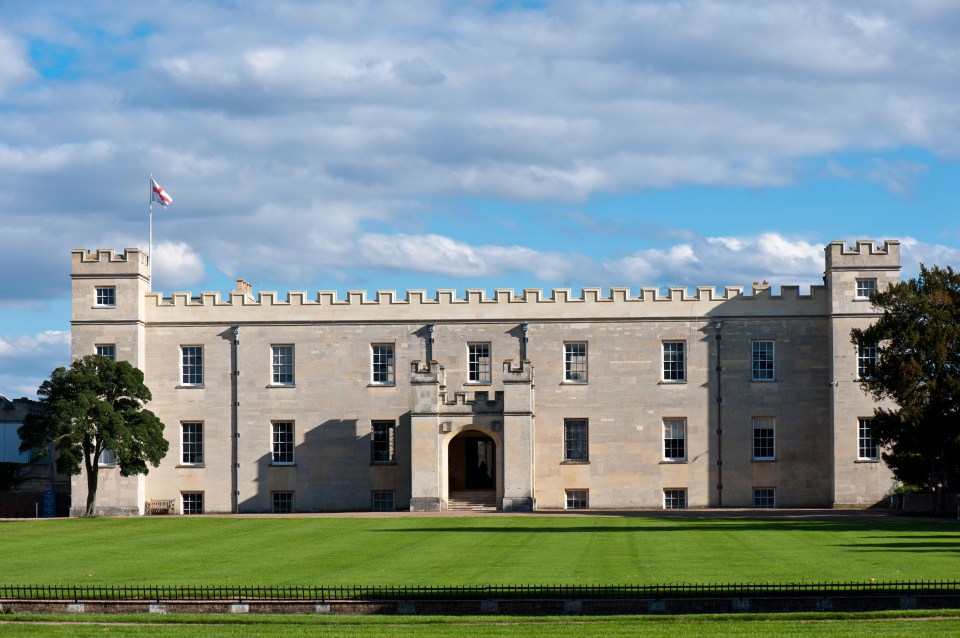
{"points": [[14, 65]]}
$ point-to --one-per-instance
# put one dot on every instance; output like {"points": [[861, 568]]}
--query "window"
{"points": [[107, 458], [283, 443], [282, 365], [283, 502], [382, 501], [762, 360], [674, 439], [192, 446], [106, 296], [191, 365], [763, 439], [675, 499], [868, 448], [192, 502], [107, 350], [865, 288], [866, 361], [674, 361], [382, 363], [578, 499], [478, 359], [764, 497], [575, 362], [382, 442], [575, 437]]}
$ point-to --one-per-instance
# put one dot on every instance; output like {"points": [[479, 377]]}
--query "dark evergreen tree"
{"points": [[94, 405], [918, 367]]}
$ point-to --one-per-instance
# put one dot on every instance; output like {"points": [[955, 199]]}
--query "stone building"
{"points": [[519, 401]]}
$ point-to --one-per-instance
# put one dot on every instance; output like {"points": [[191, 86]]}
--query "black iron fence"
{"points": [[477, 592]]}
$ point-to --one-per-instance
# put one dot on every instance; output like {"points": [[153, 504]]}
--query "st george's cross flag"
{"points": [[157, 194]]}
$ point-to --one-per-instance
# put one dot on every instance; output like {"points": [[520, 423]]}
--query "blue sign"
{"points": [[49, 504]]}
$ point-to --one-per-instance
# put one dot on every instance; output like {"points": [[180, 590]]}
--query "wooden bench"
{"points": [[159, 506]]}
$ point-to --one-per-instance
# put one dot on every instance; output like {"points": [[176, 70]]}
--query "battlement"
{"points": [[106, 262], [864, 256]]}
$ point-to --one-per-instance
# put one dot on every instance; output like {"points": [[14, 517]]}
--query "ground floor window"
{"points": [[192, 503], [674, 499], [578, 499], [283, 502], [764, 497], [382, 501]]}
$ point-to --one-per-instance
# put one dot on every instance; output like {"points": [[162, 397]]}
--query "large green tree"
{"points": [[918, 367], [94, 405]]}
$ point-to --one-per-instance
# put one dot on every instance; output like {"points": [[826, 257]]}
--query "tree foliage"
{"points": [[918, 367], [94, 405]]}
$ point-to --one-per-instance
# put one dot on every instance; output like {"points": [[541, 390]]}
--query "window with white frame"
{"points": [[764, 497], [478, 363], [865, 288], [106, 296], [762, 360], [674, 361], [283, 502], [191, 365], [191, 502], [382, 443], [281, 365], [382, 363], [868, 450], [107, 458], [282, 442], [575, 440], [382, 501], [763, 438], [107, 350], [577, 499], [575, 361], [191, 443], [674, 439], [675, 499], [866, 360]]}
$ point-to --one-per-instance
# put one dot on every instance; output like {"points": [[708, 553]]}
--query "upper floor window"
{"points": [[382, 442], [763, 439], [674, 439], [192, 443], [282, 442], [865, 288], [107, 457], [867, 445], [107, 350], [106, 296], [478, 360], [575, 440], [575, 361], [191, 365], [382, 363], [674, 361], [866, 361], [282, 365], [762, 358]]}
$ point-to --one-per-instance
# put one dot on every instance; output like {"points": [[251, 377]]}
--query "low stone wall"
{"points": [[573, 607]]}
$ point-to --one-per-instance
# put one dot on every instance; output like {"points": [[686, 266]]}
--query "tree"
{"points": [[918, 367], [94, 405]]}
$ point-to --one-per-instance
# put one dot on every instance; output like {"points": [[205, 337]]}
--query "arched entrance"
{"points": [[472, 471]]}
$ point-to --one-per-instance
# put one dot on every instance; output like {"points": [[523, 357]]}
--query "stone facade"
{"points": [[394, 402]]}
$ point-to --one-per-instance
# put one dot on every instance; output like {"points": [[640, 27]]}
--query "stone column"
{"points": [[518, 438], [426, 384]]}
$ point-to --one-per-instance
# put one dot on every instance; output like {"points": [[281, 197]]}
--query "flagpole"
{"points": [[150, 199]]}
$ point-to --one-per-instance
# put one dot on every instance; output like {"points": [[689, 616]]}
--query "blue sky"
{"points": [[424, 145]]}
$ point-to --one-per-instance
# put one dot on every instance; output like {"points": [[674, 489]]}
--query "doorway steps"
{"points": [[473, 501]]}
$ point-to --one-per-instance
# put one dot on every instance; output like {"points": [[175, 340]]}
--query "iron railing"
{"points": [[475, 592]]}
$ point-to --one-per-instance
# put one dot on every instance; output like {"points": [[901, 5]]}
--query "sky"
{"points": [[452, 145]]}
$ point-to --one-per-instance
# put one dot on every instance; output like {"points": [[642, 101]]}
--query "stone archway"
{"points": [[472, 471]]}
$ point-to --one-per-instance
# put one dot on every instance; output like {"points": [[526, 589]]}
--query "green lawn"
{"points": [[539, 549], [945, 623]]}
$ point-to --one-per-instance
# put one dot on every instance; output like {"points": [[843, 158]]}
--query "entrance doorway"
{"points": [[472, 462]]}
